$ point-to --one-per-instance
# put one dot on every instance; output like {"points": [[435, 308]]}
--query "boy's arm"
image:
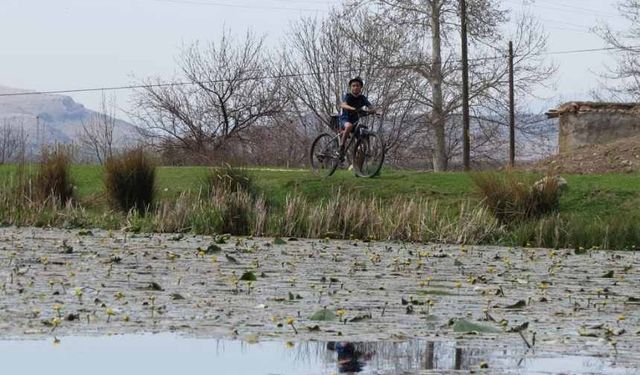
{"points": [[346, 106], [370, 107]]}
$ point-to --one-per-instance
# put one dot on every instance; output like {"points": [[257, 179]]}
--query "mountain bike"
{"points": [[365, 148]]}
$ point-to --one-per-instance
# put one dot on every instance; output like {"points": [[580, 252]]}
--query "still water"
{"points": [[171, 354]]}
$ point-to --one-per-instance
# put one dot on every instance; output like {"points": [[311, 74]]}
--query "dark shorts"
{"points": [[344, 120]]}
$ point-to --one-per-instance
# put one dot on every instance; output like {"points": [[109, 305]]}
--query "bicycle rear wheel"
{"points": [[324, 155], [368, 155]]}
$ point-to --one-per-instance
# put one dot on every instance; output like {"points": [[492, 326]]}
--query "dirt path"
{"points": [[59, 282]]}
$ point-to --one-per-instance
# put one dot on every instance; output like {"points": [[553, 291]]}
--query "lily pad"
{"points": [[465, 326], [279, 241], [323, 315], [213, 248], [518, 305], [176, 296], [608, 275], [248, 276]]}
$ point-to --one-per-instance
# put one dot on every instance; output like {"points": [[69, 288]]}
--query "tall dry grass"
{"points": [[130, 181], [53, 178], [513, 198]]}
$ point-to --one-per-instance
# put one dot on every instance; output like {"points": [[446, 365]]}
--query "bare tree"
{"points": [[12, 140], [431, 27], [623, 80], [226, 88], [96, 135], [322, 55]]}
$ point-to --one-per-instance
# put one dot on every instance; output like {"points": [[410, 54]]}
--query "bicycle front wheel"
{"points": [[324, 155], [368, 155]]}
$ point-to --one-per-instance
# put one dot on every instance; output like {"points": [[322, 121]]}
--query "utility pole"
{"points": [[512, 112], [465, 88]]}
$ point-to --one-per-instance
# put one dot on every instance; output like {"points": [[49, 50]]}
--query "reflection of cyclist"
{"points": [[352, 103], [349, 359]]}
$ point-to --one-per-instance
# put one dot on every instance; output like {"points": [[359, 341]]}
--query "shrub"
{"points": [[130, 181], [512, 198], [53, 179], [230, 179]]}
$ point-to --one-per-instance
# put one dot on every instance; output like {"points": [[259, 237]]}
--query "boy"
{"points": [[352, 103]]}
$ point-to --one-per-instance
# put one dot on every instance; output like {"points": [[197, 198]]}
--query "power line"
{"points": [[293, 75], [242, 6]]}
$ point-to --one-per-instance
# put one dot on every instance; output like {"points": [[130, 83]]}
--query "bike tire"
{"points": [[323, 155], [368, 156]]}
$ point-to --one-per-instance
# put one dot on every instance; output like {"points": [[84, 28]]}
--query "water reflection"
{"points": [[171, 354]]}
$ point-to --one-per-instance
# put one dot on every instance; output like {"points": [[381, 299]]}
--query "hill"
{"points": [[49, 119]]}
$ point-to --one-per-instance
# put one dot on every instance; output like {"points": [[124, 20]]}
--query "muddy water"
{"points": [[171, 354], [68, 283]]}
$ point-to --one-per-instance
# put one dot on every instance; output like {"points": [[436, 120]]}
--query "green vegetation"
{"points": [[53, 180], [130, 181], [596, 210]]}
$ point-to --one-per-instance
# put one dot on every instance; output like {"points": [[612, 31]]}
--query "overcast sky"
{"points": [[71, 44]]}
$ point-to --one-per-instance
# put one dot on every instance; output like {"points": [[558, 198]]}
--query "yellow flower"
{"points": [[289, 345], [290, 321]]}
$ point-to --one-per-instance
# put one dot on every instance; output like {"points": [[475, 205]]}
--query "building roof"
{"points": [[584, 107]]}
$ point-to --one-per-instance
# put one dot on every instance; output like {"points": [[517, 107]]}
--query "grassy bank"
{"points": [[596, 211]]}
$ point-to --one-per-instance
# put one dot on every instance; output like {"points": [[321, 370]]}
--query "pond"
{"points": [[168, 353]]}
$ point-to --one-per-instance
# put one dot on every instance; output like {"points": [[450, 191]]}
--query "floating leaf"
{"points": [[213, 248], [248, 276], [177, 237], [360, 318], [66, 249], [323, 315], [315, 328], [580, 251], [518, 305], [221, 238], [230, 258], [85, 233], [431, 318], [176, 296], [465, 326], [279, 241], [252, 338], [587, 332], [155, 286], [608, 275], [519, 328]]}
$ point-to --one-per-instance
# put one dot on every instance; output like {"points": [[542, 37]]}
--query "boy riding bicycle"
{"points": [[353, 103]]}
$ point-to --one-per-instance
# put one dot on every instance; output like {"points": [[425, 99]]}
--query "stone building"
{"points": [[585, 123]]}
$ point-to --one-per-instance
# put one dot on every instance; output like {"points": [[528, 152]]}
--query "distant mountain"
{"points": [[49, 119]]}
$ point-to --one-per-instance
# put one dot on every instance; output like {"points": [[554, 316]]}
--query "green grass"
{"points": [[594, 207], [450, 188]]}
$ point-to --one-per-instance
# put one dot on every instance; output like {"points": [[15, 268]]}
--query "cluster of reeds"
{"points": [[514, 198]]}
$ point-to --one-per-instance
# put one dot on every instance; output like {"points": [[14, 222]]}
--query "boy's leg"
{"points": [[345, 133]]}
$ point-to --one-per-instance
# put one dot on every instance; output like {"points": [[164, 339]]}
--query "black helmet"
{"points": [[356, 79]]}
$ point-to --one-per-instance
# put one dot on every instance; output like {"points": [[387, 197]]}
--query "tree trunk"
{"points": [[437, 112]]}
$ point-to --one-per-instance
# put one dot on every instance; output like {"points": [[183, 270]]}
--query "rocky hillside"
{"points": [[622, 156], [53, 118]]}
